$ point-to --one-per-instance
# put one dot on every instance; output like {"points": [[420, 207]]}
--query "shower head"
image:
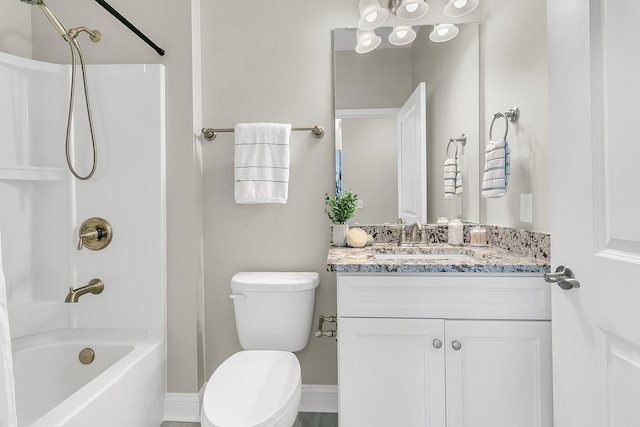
{"points": [[52, 18]]}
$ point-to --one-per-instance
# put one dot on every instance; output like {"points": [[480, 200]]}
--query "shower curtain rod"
{"points": [[129, 25]]}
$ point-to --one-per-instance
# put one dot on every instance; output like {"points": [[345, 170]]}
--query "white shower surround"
{"points": [[42, 206]]}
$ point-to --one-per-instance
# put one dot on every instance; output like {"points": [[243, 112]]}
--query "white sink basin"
{"points": [[426, 253], [401, 256]]}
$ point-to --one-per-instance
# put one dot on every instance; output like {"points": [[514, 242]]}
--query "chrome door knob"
{"points": [[563, 277], [437, 343], [456, 345]]}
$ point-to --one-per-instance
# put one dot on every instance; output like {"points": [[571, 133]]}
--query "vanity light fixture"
{"points": [[457, 8], [401, 35], [372, 15], [367, 41], [443, 33]]}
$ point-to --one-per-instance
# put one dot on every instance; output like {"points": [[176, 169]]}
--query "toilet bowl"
{"points": [[261, 385], [255, 388]]}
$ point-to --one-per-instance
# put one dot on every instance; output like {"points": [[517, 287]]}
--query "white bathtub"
{"points": [[124, 386]]}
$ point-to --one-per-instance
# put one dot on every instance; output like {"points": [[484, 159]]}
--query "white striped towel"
{"points": [[452, 177], [497, 168], [261, 162]]}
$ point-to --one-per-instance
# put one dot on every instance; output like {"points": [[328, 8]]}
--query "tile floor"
{"points": [[305, 419]]}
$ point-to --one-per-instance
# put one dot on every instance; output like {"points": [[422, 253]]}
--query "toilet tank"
{"points": [[273, 310]]}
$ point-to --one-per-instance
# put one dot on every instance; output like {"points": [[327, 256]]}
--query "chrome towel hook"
{"points": [[512, 115]]}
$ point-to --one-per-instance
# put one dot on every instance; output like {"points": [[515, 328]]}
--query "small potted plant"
{"points": [[339, 209]]}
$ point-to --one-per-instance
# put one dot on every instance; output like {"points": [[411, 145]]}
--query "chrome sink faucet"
{"points": [[416, 232], [95, 287]]}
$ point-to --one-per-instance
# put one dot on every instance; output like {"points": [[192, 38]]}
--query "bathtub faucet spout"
{"points": [[95, 286]]}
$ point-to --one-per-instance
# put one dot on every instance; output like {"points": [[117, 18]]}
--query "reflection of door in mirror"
{"points": [[412, 157]]}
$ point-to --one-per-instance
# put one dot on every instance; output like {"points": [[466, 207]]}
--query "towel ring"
{"points": [[462, 140], [449, 145], [509, 116], [506, 125]]}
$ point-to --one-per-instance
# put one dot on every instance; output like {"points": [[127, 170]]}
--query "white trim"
{"points": [[319, 398], [184, 407], [361, 113]]}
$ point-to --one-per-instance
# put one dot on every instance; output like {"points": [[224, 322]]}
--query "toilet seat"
{"points": [[254, 388]]}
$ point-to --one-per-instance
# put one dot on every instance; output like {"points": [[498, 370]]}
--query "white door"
{"points": [[412, 157], [594, 103], [391, 372], [498, 373]]}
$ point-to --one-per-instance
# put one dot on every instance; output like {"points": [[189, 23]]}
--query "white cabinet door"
{"points": [[498, 373], [391, 373]]}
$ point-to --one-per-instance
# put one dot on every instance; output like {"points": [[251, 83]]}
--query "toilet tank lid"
{"points": [[274, 281]]}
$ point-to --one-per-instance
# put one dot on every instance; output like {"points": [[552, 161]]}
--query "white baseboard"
{"points": [[185, 407], [319, 398]]}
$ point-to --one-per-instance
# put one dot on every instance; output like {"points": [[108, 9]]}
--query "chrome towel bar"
{"points": [[210, 133]]}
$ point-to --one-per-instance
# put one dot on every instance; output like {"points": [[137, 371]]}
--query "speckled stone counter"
{"points": [[487, 259]]}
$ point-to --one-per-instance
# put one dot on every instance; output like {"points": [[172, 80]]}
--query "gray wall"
{"points": [[15, 28], [370, 167], [379, 79], [514, 72], [269, 61], [451, 71]]}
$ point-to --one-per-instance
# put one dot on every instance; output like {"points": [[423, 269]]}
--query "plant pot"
{"points": [[339, 234]]}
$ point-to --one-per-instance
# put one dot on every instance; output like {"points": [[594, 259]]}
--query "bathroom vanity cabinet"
{"points": [[442, 350]]}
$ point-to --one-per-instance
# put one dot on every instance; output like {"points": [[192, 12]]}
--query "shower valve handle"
{"points": [[95, 234]]}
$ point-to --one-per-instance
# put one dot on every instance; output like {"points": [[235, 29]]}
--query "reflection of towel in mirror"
{"points": [[497, 168], [452, 178], [262, 162]]}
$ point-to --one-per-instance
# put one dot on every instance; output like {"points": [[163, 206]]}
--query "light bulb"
{"points": [[457, 8], [414, 6], [371, 17], [367, 41], [443, 33], [402, 35]]}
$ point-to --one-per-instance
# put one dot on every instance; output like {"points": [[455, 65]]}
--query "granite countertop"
{"points": [[488, 259]]}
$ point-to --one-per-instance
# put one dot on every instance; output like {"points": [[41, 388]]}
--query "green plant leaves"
{"points": [[340, 209]]}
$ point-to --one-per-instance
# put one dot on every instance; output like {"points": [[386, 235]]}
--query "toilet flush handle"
{"points": [[239, 297]]}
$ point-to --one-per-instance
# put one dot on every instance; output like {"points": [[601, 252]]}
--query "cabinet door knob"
{"points": [[437, 343], [456, 345]]}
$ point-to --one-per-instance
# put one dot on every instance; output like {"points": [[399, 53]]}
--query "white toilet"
{"points": [[261, 385]]}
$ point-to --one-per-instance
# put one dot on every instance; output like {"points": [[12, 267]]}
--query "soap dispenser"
{"points": [[456, 232]]}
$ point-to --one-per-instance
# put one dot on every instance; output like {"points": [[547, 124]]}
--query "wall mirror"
{"points": [[370, 91]]}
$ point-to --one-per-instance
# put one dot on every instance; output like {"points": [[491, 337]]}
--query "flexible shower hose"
{"points": [[73, 43]]}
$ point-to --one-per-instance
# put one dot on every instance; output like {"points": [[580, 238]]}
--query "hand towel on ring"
{"points": [[497, 168]]}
